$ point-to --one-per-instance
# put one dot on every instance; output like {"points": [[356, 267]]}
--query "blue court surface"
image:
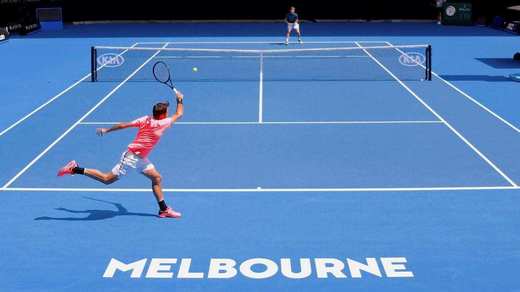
{"points": [[293, 173]]}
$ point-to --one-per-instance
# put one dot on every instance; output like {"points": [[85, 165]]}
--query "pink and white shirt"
{"points": [[149, 133]]}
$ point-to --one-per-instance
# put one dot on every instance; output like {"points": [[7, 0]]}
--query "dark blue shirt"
{"points": [[291, 17]]}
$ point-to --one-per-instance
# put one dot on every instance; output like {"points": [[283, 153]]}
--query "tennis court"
{"points": [[336, 149]]}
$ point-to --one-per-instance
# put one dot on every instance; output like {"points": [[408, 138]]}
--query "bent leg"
{"points": [[298, 33], [104, 177], [156, 179], [288, 34]]}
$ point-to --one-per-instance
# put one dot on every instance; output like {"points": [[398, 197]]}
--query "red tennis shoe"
{"points": [[67, 169], [169, 213]]}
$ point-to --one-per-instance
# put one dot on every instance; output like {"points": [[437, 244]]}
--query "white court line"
{"points": [[266, 190], [256, 42], [261, 90], [467, 96], [78, 122], [455, 131], [288, 123], [52, 99], [267, 57]]}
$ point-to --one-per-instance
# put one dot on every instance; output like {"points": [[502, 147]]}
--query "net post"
{"points": [[429, 63], [93, 64]]}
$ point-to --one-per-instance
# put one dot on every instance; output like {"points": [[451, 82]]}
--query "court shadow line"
{"points": [[500, 63], [487, 78], [96, 214]]}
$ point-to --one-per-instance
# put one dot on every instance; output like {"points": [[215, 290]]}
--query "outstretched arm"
{"points": [[180, 107], [120, 126]]}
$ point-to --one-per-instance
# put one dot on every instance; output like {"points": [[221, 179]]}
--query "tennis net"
{"points": [[407, 62]]}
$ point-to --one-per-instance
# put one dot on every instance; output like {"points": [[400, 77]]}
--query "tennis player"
{"points": [[293, 23], [439, 4], [150, 130]]}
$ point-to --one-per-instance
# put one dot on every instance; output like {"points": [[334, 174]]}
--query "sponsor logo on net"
{"points": [[412, 59], [259, 268], [110, 60]]}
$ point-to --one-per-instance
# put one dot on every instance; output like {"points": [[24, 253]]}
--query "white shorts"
{"points": [[293, 26], [129, 159]]}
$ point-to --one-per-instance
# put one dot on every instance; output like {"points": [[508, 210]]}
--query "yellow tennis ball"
{"points": [[195, 69]]}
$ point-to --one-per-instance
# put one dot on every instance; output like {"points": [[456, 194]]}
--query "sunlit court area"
{"points": [[285, 146]]}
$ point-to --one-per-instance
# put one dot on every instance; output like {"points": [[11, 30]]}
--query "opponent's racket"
{"points": [[161, 72]]}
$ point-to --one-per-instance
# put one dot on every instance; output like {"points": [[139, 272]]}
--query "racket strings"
{"points": [[161, 72]]}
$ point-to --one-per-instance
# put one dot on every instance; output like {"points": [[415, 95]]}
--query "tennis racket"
{"points": [[161, 72]]}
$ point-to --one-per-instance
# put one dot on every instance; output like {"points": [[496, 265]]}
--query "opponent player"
{"points": [[150, 131], [293, 23]]}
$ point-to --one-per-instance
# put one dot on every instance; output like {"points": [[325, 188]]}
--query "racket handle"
{"points": [[174, 90]]}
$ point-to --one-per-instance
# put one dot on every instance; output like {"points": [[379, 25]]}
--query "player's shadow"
{"points": [[95, 214]]}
